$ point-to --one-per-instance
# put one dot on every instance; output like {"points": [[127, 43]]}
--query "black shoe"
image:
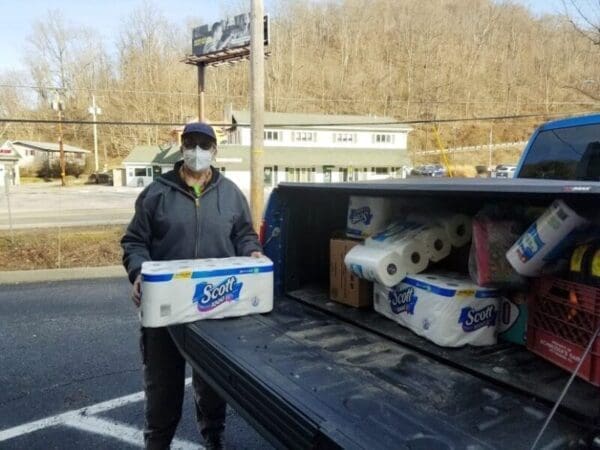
{"points": [[214, 441]]}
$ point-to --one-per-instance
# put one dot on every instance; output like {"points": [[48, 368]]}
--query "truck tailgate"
{"points": [[307, 379]]}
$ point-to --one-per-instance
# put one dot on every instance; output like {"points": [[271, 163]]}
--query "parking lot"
{"points": [[71, 371]]}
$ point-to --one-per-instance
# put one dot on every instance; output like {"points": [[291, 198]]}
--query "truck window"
{"points": [[564, 154]]}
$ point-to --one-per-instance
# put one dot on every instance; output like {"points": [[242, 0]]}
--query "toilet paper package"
{"points": [[367, 215], [188, 290], [457, 226], [434, 238], [543, 241], [447, 309]]}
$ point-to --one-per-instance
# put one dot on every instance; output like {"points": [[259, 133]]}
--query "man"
{"points": [[190, 212]]}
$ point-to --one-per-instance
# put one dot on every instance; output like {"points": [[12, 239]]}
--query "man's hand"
{"points": [[136, 291], [256, 254]]}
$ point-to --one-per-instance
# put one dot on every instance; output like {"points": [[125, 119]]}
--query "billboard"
{"points": [[231, 33]]}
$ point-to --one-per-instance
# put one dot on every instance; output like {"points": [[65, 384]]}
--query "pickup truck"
{"points": [[318, 374]]}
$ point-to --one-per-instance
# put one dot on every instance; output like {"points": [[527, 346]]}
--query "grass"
{"points": [[53, 248]]}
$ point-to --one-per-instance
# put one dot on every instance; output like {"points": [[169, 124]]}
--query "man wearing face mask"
{"points": [[189, 212]]}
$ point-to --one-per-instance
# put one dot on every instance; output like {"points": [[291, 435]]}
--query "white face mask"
{"points": [[197, 159]]}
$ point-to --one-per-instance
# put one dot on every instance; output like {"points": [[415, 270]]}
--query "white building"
{"points": [[9, 165], [298, 147], [35, 154]]}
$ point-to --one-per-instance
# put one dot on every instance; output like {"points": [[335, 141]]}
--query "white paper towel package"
{"points": [[447, 309], [539, 244], [367, 215], [188, 290], [434, 237], [457, 226]]}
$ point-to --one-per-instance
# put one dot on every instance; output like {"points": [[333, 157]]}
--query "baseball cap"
{"points": [[199, 127]]}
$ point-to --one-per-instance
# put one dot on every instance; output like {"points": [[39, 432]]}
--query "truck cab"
{"points": [[315, 373]]}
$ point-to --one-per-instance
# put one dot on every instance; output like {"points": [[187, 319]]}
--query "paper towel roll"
{"points": [[434, 237], [537, 245], [375, 264], [413, 253], [437, 242], [457, 226]]}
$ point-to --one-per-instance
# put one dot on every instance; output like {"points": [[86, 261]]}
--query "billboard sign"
{"points": [[228, 34]]}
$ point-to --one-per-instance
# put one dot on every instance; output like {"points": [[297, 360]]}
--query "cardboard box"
{"points": [[344, 286]]}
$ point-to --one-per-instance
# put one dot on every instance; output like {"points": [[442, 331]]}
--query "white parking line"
{"points": [[82, 419], [122, 432]]}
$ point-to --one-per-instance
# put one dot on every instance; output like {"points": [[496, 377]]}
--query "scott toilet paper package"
{"points": [[447, 309], [367, 215], [189, 290]]}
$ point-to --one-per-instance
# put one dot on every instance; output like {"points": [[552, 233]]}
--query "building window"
{"points": [[140, 172], [381, 170], [344, 137], [268, 178], [304, 136], [383, 138], [273, 135]]}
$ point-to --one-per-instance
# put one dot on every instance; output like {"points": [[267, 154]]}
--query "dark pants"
{"points": [[164, 378]]}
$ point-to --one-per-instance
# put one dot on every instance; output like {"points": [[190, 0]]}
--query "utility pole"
{"points": [[58, 105], [257, 109], [201, 72], [94, 111], [490, 149]]}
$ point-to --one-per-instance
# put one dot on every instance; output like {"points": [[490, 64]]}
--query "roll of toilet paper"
{"points": [[457, 226], [539, 244], [437, 242], [414, 255], [368, 215], [375, 264], [432, 236], [188, 290]]}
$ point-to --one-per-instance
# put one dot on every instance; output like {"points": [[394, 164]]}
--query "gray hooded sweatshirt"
{"points": [[170, 223]]}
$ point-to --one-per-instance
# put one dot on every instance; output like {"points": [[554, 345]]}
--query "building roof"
{"points": [[291, 120], [237, 157], [153, 154], [8, 152], [49, 146]]}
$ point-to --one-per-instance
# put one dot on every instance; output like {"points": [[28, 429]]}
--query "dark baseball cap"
{"points": [[199, 127]]}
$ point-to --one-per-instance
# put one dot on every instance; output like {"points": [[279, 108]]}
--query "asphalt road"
{"points": [[43, 205], [70, 371]]}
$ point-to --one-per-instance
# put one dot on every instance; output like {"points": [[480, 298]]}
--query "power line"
{"points": [[301, 125], [307, 99]]}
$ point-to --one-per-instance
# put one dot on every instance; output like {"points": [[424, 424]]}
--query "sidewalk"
{"points": [[75, 273]]}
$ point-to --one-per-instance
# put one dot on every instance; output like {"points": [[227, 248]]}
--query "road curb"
{"points": [[75, 273]]}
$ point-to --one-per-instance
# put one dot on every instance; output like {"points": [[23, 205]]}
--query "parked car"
{"points": [[101, 178], [505, 171], [429, 170]]}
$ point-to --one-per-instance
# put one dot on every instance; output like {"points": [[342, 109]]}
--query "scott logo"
{"points": [[209, 296], [473, 319], [403, 300], [361, 215]]}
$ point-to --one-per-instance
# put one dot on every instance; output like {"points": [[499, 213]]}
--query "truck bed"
{"points": [[315, 374], [310, 379]]}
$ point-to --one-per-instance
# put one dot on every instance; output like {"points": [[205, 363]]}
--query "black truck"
{"points": [[318, 374]]}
